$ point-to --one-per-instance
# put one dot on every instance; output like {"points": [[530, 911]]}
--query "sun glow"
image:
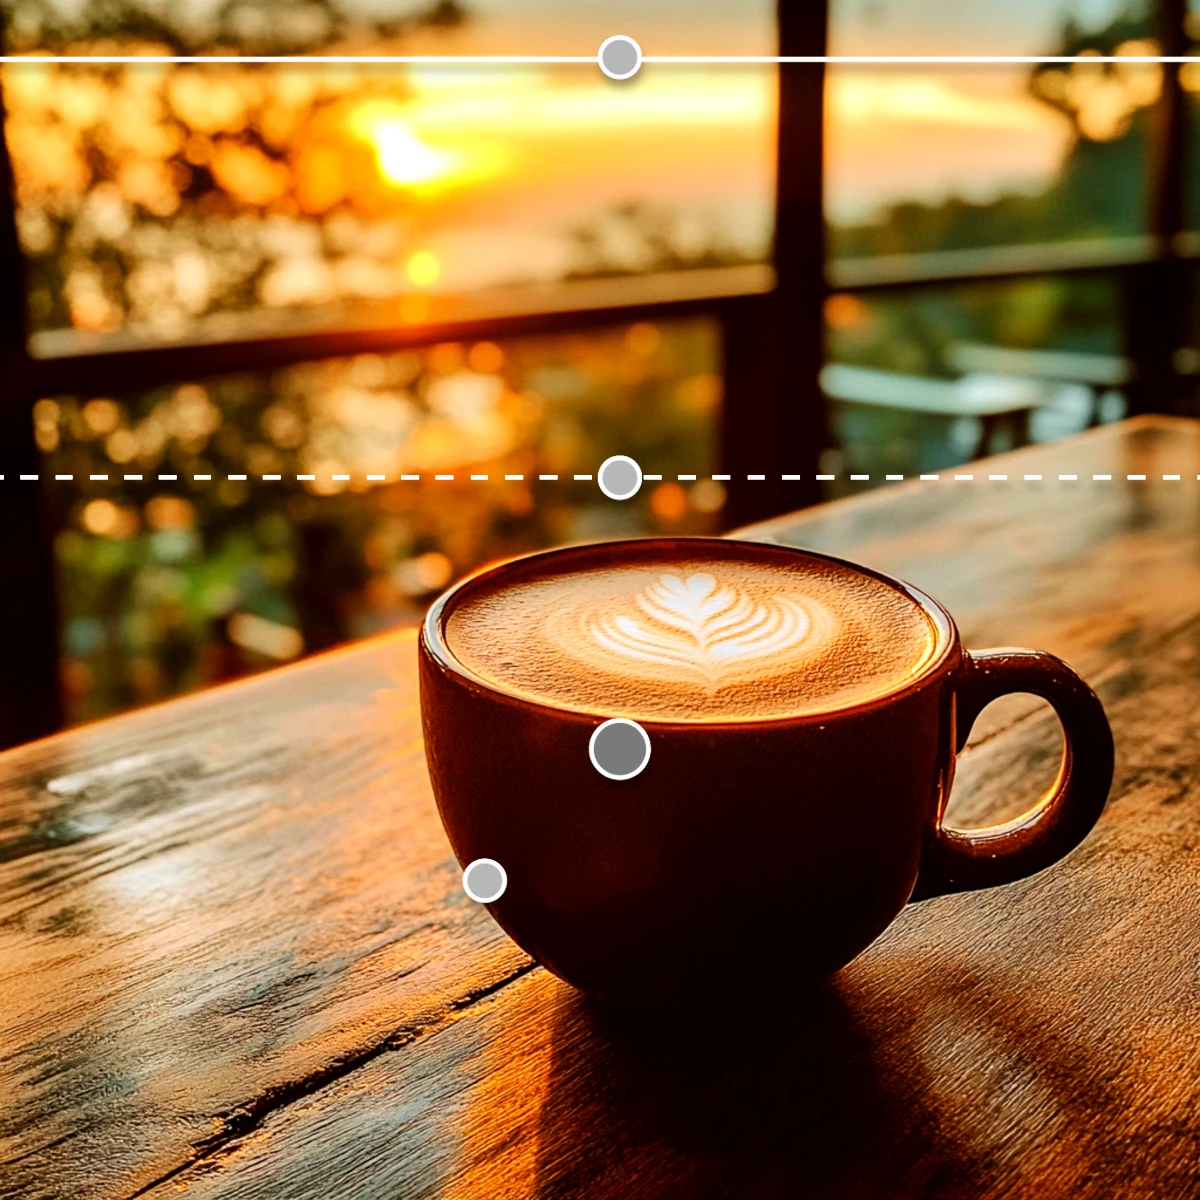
{"points": [[404, 160]]}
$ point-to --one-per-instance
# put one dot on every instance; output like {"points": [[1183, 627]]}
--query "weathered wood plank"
{"points": [[234, 954], [1037, 1040], [209, 907]]}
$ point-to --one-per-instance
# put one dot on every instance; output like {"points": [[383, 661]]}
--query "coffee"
{"points": [[699, 636]]}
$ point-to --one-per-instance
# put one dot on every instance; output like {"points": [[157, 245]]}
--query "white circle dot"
{"points": [[619, 56], [619, 477], [485, 880], [619, 748]]}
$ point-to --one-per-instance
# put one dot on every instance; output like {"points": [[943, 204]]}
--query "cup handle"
{"points": [[960, 860]]}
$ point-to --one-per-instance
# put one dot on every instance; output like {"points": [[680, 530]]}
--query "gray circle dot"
{"points": [[620, 57], [619, 477], [619, 749], [485, 880]]}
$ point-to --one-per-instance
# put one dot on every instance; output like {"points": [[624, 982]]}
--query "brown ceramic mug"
{"points": [[786, 841]]}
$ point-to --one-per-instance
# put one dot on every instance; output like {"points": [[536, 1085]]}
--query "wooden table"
{"points": [[236, 960]]}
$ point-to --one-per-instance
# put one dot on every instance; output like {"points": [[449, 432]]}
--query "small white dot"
{"points": [[619, 748], [619, 56], [620, 477], [485, 880]]}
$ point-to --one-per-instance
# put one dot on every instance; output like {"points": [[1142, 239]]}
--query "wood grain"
{"points": [[235, 959]]}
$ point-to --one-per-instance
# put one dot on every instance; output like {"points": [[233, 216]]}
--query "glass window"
{"points": [[953, 157], [154, 197], [167, 586]]}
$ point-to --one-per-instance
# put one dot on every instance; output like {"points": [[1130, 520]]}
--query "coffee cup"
{"points": [[795, 720]]}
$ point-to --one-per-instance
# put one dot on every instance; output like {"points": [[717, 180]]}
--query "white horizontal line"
{"points": [[752, 478], [726, 478], [134, 478], [1165, 477], [93, 478], [518, 478], [931, 477], [893, 477], [548, 59], [242, 478], [272, 478], [1098, 478], [407, 477], [172, 478], [964, 477], [1002, 478], [687, 478], [553, 478], [29, 477], [343, 478], [1067, 478], [1133, 478], [376, 478], [647, 478], [825, 478], [1033, 478], [435, 477], [580, 477], [854, 478], [480, 478], [299, 478], [72, 477], [786, 478], [198, 478]]}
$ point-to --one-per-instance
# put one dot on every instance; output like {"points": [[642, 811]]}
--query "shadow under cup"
{"points": [[749, 852]]}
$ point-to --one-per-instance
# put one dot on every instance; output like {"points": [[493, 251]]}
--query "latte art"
{"points": [[741, 632], [696, 627]]}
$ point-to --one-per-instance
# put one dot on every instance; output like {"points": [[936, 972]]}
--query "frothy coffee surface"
{"points": [[692, 638]]}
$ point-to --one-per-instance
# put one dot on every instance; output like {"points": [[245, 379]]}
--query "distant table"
{"points": [[236, 960]]}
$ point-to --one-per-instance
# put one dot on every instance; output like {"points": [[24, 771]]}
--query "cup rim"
{"points": [[433, 640]]}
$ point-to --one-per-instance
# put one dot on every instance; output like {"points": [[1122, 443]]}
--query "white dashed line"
{"points": [[448, 477], [1068, 478], [1136, 478], [1100, 478], [518, 478], [242, 478], [579, 478], [376, 478]]}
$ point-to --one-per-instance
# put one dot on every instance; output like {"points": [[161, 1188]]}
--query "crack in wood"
{"points": [[246, 1118]]}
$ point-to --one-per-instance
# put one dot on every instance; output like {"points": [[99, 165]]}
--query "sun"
{"points": [[404, 160]]}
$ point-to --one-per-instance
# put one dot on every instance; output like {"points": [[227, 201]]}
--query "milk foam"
{"points": [[704, 627], [691, 638]]}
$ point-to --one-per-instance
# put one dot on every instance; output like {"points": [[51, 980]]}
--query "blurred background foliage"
{"points": [[154, 200]]}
